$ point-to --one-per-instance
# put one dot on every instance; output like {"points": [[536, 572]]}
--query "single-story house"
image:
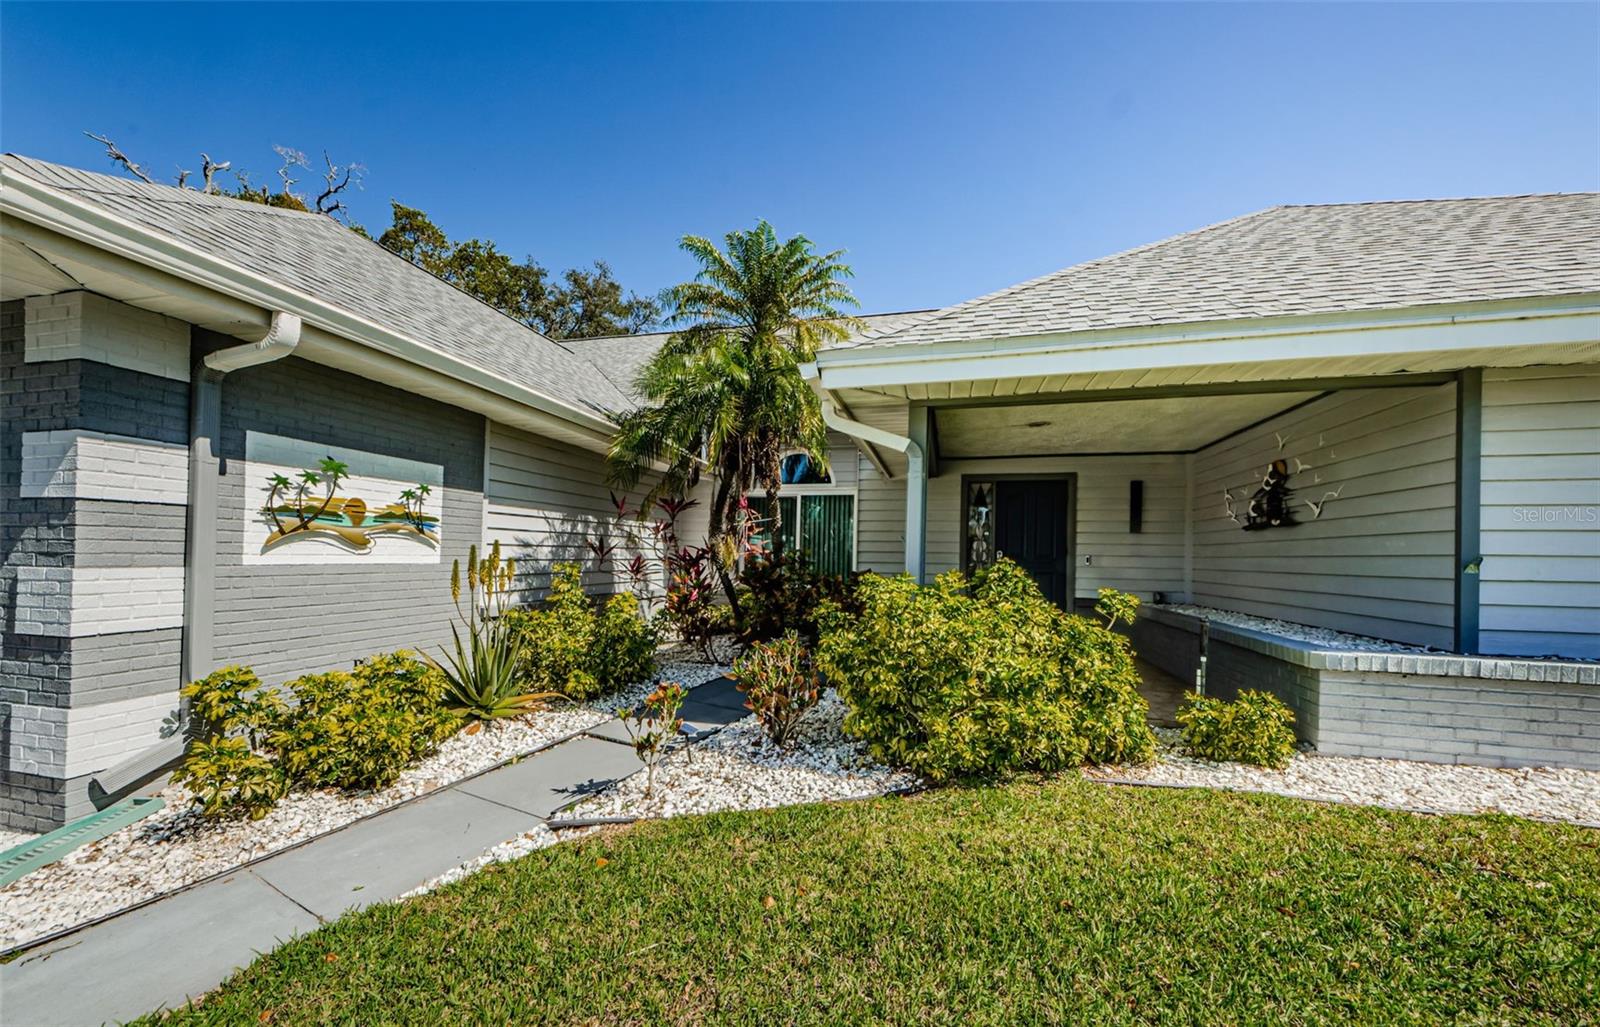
{"points": [[1380, 419]]}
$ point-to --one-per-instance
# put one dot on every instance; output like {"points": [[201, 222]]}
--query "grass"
{"points": [[1037, 902]]}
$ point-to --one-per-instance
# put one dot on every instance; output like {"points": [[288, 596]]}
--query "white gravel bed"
{"points": [[177, 846], [1299, 632], [1546, 793], [737, 768], [11, 839]]}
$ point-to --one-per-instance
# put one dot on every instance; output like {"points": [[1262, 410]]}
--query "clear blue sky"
{"points": [[951, 150]]}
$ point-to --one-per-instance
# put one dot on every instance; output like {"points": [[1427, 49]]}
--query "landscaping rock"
{"points": [[1548, 793], [737, 768], [1298, 632]]}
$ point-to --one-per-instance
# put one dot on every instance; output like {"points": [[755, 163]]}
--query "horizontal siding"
{"points": [[1151, 561], [881, 502], [1540, 593], [543, 501], [1380, 558]]}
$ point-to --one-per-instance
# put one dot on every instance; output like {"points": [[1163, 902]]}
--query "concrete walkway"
{"points": [[184, 945]]}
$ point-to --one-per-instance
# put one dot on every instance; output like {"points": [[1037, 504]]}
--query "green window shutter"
{"points": [[786, 505], [827, 531]]}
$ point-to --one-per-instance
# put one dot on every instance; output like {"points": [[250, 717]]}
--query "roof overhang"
{"points": [[155, 271], [1561, 330]]}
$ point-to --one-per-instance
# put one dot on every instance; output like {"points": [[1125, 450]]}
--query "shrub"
{"points": [[417, 686], [985, 677], [1255, 728], [1115, 606], [352, 731], [232, 701], [653, 726], [625, 643], [570, 647], [784, 594], [689, 607], [228, 779], [779, 683]]}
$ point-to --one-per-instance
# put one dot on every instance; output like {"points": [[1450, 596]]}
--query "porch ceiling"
{"points": [[1170, 425]]}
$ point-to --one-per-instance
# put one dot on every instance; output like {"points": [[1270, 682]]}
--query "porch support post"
{"points": [[917, 492], [1469, 506]]}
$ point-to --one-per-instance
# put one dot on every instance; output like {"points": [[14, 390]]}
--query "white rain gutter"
{"points": [[916, 466], [836, 419]]}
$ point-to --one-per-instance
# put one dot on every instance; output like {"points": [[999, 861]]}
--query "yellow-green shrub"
{"points": [[228, 779], [359, 730], [1255, 728], [985, 677], [573, 647], [355, 730]]}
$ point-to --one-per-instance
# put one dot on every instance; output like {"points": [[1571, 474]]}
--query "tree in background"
{"points": [[581, 304], [724, 393]]}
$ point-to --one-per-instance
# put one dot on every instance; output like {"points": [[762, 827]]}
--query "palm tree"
{"points": [[724, 396]]}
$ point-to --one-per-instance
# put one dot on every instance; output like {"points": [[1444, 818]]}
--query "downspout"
{"points": [[916, 470], [200, 538], [205, 425]]}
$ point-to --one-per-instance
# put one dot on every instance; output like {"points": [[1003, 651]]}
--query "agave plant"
{"points": [[481, 676]]}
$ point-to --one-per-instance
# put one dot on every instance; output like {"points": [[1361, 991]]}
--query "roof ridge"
{"points": [[1442, 199], [158, 192], [646, 335], [944, 312]]}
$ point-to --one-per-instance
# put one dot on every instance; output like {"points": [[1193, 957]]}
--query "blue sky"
{"points": [[952, 150]]}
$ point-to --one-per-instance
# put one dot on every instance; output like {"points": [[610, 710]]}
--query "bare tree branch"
{"points": [[209, 169], [291, 159], [337, 179], [183, 178], [121, 158]]}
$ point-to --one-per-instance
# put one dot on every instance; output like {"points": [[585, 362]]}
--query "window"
{"points": [[800, 469], [818, 517], [980, 525]]}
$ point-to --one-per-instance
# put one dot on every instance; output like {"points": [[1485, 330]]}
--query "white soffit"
{"points": [[24, 273], [1171, 425]]}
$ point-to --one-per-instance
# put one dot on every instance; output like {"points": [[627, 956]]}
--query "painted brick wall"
{"points": [[1232, 668], [86, 326], [1460, 720], [91, 572], [288, 620]]}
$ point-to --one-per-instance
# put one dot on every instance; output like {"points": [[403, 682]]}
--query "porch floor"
{"points": [[1162, 691]]}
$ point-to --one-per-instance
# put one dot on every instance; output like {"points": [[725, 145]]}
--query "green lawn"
{"points": [[1054, 902]]}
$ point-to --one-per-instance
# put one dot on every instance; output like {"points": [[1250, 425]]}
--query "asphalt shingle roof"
{"points": [[1300, 260], [319, 256], [622, 357]]}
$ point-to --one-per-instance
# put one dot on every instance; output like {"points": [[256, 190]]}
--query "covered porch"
{"points": [[1420, 487]]}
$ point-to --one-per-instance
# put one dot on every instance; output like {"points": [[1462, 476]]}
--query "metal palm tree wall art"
{"points": [[308, 506]]}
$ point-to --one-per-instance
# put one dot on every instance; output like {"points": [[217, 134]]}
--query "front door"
{"points": [[1031, 527]]}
